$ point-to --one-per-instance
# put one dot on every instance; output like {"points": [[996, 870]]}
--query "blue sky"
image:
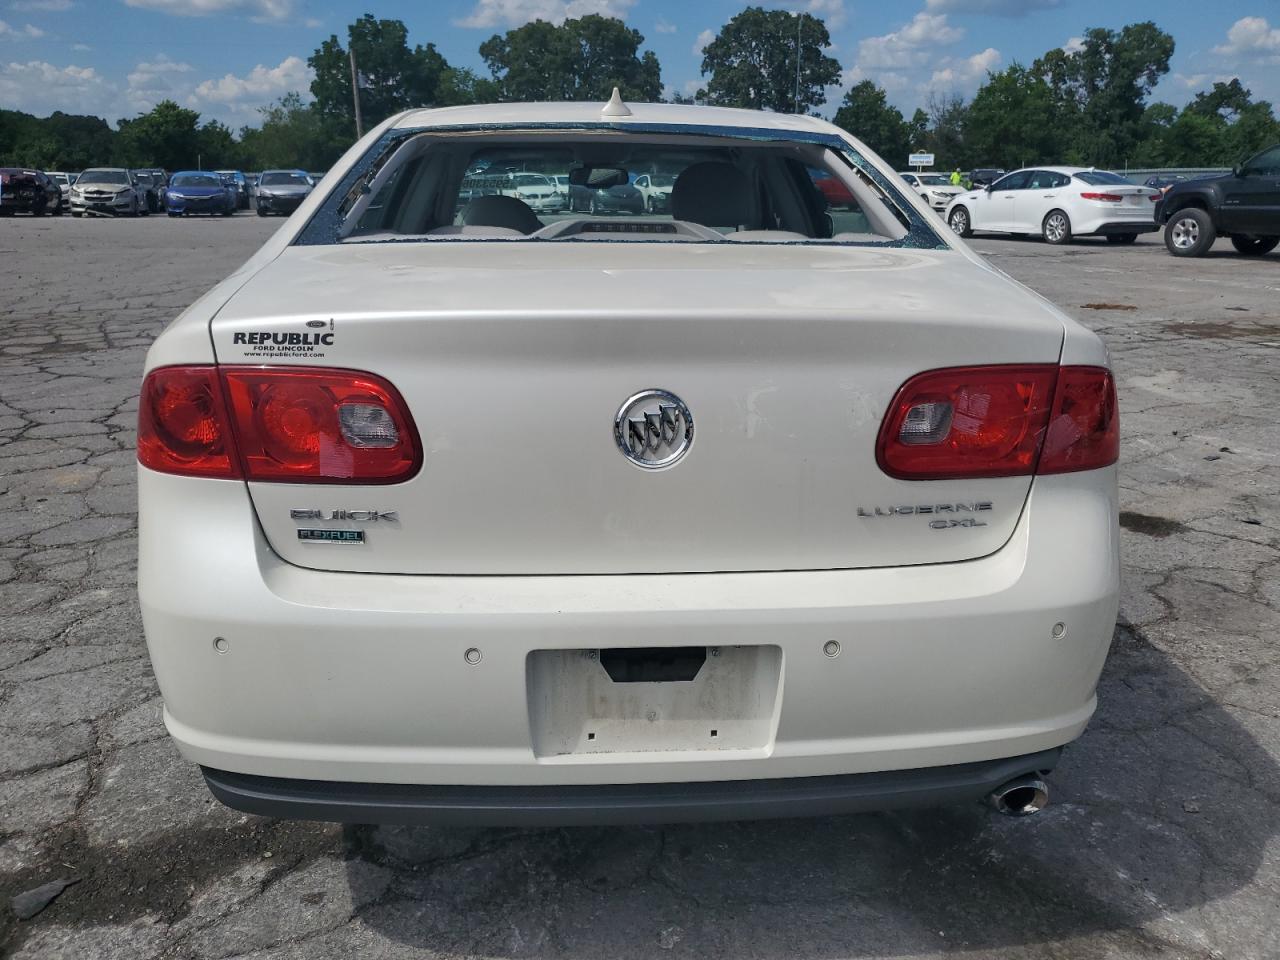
{"points": [[226, 58]]}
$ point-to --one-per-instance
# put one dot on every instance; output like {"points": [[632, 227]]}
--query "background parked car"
{"points": [[241, 184], [984, 176], [656, 190], [281, 191], [64, 182], [23, 190], [536, 190], [1243, 205], [199, 191], [836, 193], [150, 189], [107, 190], [1058, 203], [935, 188], [623, 198]]}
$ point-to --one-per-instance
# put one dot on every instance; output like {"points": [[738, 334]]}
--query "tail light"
{"points": [[1106, 197], [292, 425], [1000, 421], [183, 425]]}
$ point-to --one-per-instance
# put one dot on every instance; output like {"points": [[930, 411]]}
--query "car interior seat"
{"points": [[501, 211]]}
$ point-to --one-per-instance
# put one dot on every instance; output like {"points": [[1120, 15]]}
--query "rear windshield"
{"points": [[284, 180], [1096, 177], [611, 186], [103, 176], [194, 180]]}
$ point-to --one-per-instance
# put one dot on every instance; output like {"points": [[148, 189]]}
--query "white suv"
{"points": [[450, 515]]}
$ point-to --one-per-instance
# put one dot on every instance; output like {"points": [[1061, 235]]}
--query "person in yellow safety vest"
{"points": [[955, 177]]}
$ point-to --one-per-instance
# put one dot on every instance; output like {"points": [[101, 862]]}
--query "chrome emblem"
{"points": [[653, 429]]}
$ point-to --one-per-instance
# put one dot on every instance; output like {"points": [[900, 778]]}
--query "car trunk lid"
{"points": [[515, 358]]}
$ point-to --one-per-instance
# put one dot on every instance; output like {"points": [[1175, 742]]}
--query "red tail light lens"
{"points": [[183, 425], [968, 422], [293, 425], [1084, 431], [986, 422], [307, 424], [1106, 197]]}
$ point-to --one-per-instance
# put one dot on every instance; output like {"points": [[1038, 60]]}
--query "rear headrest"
{"points": [[500, 211], [714, 194]]}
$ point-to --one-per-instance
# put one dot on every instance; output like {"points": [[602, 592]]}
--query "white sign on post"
{"points": [[920, 160]]}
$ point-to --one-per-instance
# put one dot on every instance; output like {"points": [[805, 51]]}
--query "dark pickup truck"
{"points": [[1243, 205]]}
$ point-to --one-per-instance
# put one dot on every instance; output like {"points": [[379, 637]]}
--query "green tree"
{"points": [[948, 126], [918, 129], [393, 77], [167, 136], [292, 135], [753, 62], [1225, 100], [1101, 88], [581, 59], [217, 149], [867, 115], [1012, 121]]}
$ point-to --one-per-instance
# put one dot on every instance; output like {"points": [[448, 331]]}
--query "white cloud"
{"points": [[44, 6], [514, 13], [999, 8], [81, 47], [29, 32], [259, 9], [159, 79], [257, 88], [700, 44], [1252, 38], [909, 46], [40, 88], [665, 26], [831, 11], [1073, 45], [964, 76]]}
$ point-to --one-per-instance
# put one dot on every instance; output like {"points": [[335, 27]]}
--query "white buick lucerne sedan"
{"points": [[454, 511], [1058, 203]]}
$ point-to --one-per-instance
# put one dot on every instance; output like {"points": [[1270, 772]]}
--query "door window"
{"points": [[1046, 180], [1014, 181], [1265, 164]]}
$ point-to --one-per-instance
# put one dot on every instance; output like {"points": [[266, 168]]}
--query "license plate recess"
{"points": [[576, 707]]}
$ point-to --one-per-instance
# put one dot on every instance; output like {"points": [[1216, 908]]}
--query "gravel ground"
{"points": [[1161, 840]]}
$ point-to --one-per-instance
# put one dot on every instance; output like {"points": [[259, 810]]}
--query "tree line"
{"points": [[1090, 105]]}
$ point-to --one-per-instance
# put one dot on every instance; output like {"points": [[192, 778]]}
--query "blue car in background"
{"points": [[199, 191]]}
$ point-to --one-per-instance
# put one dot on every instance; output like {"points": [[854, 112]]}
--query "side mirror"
{"points": [[989, 187], [1238, 170]]}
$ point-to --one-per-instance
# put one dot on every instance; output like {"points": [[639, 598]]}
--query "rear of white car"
{"points": [[492, 528], [1058, 204]]}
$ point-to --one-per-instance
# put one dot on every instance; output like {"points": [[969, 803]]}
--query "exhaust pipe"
{"points": [[1020, 797]]}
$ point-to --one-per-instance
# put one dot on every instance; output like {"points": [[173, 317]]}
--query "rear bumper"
{"points": [[1118, 226], [542, 806], [362, 678]]}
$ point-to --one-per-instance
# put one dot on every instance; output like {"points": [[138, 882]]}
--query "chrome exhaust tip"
{"points": [[1020, 797]]}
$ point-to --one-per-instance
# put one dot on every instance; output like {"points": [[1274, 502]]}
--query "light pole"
{"points": [[355, 91], [799, 22]]}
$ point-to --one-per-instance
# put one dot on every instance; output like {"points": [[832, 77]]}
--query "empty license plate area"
{"points": [[652, 699]]}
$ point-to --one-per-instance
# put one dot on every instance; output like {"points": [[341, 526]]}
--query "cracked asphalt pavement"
{"points": [[1161, 839]]}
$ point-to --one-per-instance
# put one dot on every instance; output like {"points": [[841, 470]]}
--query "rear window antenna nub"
{"points": [[615, 107]]}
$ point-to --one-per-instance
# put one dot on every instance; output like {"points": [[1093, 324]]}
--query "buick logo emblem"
{"points": [[653, 429]]}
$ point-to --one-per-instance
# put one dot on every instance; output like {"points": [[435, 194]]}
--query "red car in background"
{"points": [[836, 193], [28, 191]]}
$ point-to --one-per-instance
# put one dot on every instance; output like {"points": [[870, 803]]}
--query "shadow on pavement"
{"points": [[1166, 805]]}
